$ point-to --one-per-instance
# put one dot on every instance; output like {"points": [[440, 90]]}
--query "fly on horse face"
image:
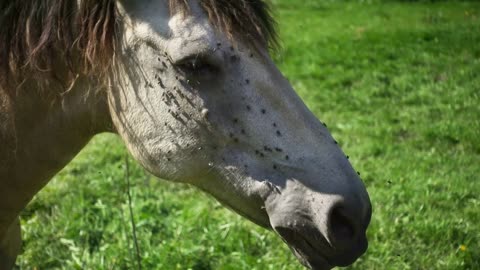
{"points": [[191, 89]]}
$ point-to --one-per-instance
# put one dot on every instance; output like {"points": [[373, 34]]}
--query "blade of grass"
{"points": [[132, 218]]}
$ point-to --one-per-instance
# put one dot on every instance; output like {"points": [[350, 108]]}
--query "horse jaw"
{"points": [[239, 133]]}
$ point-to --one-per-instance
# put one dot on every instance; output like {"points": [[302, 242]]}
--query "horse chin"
{"points": [[308, 255], [313, 255], [317, 263]]}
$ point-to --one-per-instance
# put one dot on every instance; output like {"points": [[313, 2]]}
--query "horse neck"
{"points": [[44, 134]]}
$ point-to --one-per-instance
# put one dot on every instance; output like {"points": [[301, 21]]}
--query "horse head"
{"points": [[197, 99]]}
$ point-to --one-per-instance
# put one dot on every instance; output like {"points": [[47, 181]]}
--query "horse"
{"points": [[190, 87]]}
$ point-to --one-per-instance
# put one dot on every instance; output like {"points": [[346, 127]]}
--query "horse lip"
{"points": [[306, 252]]}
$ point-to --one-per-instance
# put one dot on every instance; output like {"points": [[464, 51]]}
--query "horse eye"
{"points": [[196, 65]]}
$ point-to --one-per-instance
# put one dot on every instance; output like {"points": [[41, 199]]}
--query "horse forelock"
{"points": [[38, 35]]}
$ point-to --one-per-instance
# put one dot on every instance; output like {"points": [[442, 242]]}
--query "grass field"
{"points": [[399, 87]]}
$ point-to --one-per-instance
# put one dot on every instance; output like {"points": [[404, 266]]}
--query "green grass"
{"points": [[398, 85]]}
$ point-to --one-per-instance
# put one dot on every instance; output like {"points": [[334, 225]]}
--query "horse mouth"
{"points": [[308, 253]]}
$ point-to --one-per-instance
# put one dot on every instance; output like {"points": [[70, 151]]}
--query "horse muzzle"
{"points": [[323, 233]]}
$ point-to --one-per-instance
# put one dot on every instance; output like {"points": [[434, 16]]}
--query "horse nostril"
{"points": [[342, 230]]}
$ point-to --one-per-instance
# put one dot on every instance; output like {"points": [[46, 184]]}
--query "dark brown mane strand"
{"points": [[39, 38], [178, 6]]}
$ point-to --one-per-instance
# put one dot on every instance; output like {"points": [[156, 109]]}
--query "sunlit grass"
{"points": [[399, 87]]}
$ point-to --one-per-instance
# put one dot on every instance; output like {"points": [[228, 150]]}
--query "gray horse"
{"points": [[191, 89]]}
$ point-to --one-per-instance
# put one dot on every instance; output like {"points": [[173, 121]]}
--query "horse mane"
{"points": [[37, 35]]}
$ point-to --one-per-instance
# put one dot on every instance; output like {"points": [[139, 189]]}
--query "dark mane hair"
{"points": [[36, 35]]}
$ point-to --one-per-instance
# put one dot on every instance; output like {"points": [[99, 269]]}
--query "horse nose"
{"points": [[347, 224]]}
